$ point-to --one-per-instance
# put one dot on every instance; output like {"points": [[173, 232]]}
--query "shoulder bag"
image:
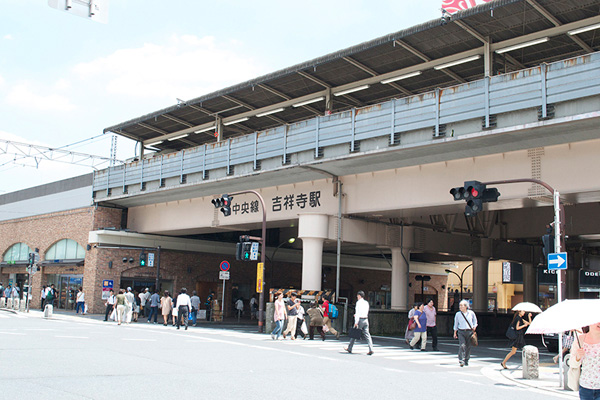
{"points": [[474, 340], [511, 332]]}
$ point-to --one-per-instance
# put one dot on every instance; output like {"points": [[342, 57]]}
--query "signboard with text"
{"points": [[259, 277]]}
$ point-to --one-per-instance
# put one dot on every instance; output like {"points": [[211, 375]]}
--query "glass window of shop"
{"points": [[17, 252], [65, 249]]}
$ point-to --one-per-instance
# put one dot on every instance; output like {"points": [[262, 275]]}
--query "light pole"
{"points": [[460, 277], [272, 258]]}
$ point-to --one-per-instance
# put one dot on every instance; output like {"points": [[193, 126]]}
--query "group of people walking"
{"points": [[291, 315], [9, 296], [123, 307]]}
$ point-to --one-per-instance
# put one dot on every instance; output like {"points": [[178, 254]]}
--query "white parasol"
{"points": [[565, 316], [527, 307]]}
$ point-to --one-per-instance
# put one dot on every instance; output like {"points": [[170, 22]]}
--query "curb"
{"points": [[532, 383]]}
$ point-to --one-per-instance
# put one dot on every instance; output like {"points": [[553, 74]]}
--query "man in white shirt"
{"points": [[361, 322], [144, 297], [131, 304], [110, 304], [184, 305]]}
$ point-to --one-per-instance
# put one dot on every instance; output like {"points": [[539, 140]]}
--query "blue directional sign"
{"points": [[557, 261]]}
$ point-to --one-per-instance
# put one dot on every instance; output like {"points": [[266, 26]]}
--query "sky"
{"points": [[64, 78]]}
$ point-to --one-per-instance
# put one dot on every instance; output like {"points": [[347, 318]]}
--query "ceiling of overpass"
{"points": [[422, 45]]}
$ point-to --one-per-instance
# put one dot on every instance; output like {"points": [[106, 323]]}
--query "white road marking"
{"points": [[140, 340], [72, 337]]}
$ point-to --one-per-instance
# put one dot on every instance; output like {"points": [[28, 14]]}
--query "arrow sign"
{"points": [[557, 261]]}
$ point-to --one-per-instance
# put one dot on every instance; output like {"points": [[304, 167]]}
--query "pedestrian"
{"points": [[465, 324], [239, 308], [421, 329], [153, 302], [110, 304], [135, 309], [315, 313], [130, 305], [15, 297], [410, 333], [184, 305], [144, 302], [278, 316], [80, 301], [327, 319], [8, 296], [431, 314], [122, 306], [174, 311], [292, 316], [166, 306], [519, 324], [301, 328], [253, 307], [567, 342], [42, 297], [361, 321], [585, 352], [2, 301], [208, 305], [50, 295], [195, 307]]}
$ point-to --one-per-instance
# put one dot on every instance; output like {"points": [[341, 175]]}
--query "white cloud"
{"points": [[23, 95], [1, 80], [184, 67], [62, 84], [7, 37]]}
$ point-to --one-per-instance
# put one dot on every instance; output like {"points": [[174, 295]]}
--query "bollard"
{"points": [[531, 362], [48, 311]]}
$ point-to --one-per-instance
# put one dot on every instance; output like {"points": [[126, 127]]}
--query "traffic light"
{"points": [[246, 250], [224, 203], [142, 259], [31, 259], [547, 245], [475, 194]]}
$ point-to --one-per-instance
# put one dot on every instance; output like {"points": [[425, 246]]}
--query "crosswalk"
{"points": [[9, 315], [388, 352]]}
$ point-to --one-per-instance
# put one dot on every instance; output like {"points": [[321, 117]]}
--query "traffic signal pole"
{"points": [[558, 246], [263, 241]]}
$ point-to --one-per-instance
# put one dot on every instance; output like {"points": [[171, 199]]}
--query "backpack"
{"points": [[50, 295], [333, 311]]}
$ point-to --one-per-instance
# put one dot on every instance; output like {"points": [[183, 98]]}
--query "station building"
{"points": [[353, 155]]}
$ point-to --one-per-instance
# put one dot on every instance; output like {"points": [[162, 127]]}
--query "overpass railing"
{"points": [[539, 87]]}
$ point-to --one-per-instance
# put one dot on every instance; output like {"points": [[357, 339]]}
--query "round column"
{"points": [[313, 229]]}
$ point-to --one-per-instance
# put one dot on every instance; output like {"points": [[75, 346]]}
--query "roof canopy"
{"points": [[517, 33]]}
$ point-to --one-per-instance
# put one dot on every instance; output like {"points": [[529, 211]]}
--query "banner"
{"points": [[453, 6]]}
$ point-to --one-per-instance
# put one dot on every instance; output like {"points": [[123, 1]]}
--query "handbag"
{"points": [[355, 333], [511, 333], [412, 324], [573, 378], [474, 340]]}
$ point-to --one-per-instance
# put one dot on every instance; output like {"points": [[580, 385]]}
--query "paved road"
{"points": [[77, 358]]}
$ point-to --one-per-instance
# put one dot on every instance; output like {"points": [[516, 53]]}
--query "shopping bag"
{"points": [[303, 328], [113, 314], [325, 328]]}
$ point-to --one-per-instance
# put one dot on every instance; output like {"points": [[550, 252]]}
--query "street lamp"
{"points": [[460, 277], [290, 241]]}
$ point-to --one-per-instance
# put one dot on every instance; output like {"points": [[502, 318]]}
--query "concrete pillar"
{"points": [[313, 230], [530, 285], [399, 283], [480, 283]]}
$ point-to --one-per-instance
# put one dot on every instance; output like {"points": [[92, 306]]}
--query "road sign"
{"points": [[259, 277], [224, 275], [557, 261], [224, 266], [151, 259], [254, 251]]}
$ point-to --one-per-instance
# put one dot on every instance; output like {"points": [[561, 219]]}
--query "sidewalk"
{"points": [[548, 379]]}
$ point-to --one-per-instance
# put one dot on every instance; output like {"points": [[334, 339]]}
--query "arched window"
{"points": [[65, 249], [17, 252]]}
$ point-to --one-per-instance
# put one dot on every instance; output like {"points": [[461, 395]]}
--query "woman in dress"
{"points": [[585, 352], [410, 333], [166, 305], [519, 323], [279, 317], [315, 314]]}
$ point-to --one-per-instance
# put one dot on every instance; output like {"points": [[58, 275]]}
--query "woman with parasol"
{"points": [[519, 323]]}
